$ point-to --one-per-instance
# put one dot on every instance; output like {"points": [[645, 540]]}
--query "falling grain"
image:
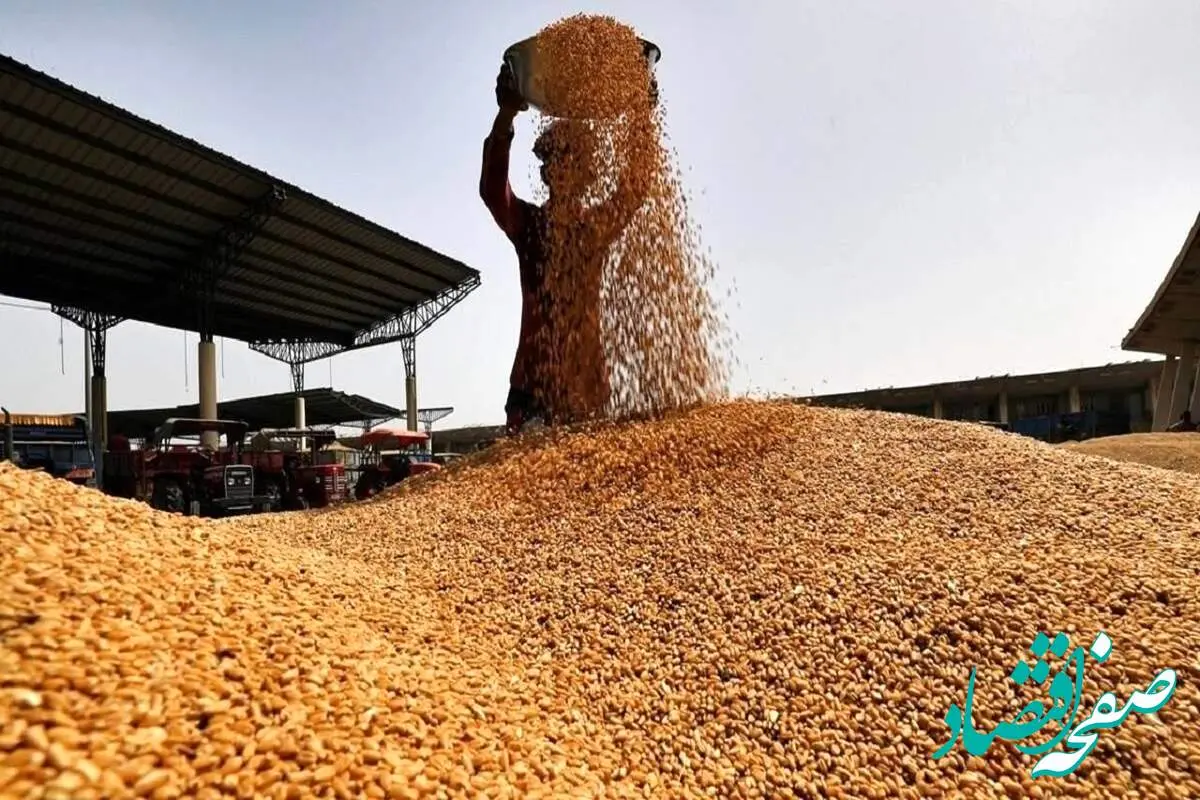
{"points": [[634, 327]]}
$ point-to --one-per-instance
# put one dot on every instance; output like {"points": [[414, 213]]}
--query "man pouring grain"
{"points": [[559, 371]]}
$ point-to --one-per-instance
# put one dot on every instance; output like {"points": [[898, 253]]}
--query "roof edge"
{"points": [[1145, 362], [68, 91], [1162, 287]]}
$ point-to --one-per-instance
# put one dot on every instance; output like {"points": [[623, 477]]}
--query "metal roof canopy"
{"points": [[106, 212], [1091, 379], [1172, 319], [468, 436], [321, 407]]}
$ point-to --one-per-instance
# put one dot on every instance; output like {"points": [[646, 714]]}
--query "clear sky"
{"points": [[900, 192]]}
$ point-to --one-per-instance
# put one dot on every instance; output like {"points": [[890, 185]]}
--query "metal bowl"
{"points": [[522, 59]]}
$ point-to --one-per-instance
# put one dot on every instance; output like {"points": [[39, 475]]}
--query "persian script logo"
{"points": [[1065, 694]]}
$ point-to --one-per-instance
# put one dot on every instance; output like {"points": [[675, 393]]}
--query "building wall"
{"points": [[1136, 400]]}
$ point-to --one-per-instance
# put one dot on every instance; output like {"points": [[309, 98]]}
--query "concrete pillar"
{"points": [[206, 359], [1074, 405], [408, 348], [1186, 367], [410, 402], [300, 423], [87, 377], [98, 420], [1002, 407], [1162, 398], [938, 413], [1194, 405]]}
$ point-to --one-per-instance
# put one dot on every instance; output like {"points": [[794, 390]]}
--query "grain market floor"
{"points": [[749, 600], [1177, 451]]}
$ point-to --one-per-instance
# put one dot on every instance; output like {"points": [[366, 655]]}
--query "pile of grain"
{"points": [[1177, 451], [748, 600], [144, 655], [634, 327]]}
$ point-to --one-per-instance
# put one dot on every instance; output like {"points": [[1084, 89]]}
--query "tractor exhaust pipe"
{"points": [[9, 446]]}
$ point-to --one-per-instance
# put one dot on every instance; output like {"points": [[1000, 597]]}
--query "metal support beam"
{"points": [[408, 347], [296, 355], [408, 324], [292, 352], [94, 323], [428, 416], [96, 326], [217, 256], [417, 319]]}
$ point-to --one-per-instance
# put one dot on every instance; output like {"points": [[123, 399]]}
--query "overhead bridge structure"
{"points": [[108, 217]]}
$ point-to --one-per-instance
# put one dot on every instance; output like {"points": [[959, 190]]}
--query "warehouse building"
{"points": [[1107, 400]]}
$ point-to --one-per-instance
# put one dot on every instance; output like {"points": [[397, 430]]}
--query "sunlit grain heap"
{"points": [[748, 600], [1166, 450], [142, 655], [635, 329]]}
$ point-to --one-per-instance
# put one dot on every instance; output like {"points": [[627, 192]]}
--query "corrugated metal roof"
{"points": [[321, 407], [103, 210], [1171, 321]]}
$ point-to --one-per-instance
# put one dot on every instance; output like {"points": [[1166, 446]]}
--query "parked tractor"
{"points": [[189, 478], [291, 478], [391, 455]]}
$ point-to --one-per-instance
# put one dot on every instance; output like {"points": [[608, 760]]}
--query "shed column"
{"points": [[1002, 408], [1074, 405], [95, 326], [1150, 399], [98, 413], [1162, 398], [206, 359], [299, 408], [98, 421], [1194, 405], [1185, 368], [938, 413], [88, 411], [409, 346]]}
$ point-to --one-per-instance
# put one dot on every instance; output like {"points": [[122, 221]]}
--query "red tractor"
{"points": [[187, 477], [291, 478], [391, 455]]}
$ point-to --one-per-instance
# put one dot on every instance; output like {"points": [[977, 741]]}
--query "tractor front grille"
{"points": [[239, 482]]}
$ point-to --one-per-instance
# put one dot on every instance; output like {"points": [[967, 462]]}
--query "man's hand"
{"points": [[507, 97]]}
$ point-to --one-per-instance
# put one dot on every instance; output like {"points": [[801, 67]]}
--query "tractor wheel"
{"points": [[370, 483], [168, 496], [274, 491]]}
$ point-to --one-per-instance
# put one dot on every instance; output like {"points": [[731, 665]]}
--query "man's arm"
{"points": [[494, 187]]}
